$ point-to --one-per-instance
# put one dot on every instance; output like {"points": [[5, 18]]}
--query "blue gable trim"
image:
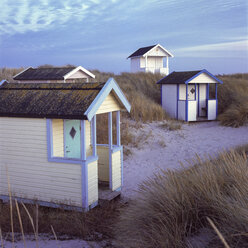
{"points": [[204, 71], [110, 85]]}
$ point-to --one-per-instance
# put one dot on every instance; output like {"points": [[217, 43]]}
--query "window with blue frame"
{"points": [[65, 138]]}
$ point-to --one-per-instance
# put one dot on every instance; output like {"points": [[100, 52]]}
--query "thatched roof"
{"points": [[53, 73], [47, 100]]}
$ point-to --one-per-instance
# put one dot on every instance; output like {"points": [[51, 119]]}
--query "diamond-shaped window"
{"points": [[192, 90], [73, 132]]}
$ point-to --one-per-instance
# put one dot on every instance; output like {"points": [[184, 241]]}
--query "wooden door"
{"points": [[202, 98], [72, 139]]}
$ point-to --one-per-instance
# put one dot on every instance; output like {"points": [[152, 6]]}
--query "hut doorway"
{"points": [[72, 138]]}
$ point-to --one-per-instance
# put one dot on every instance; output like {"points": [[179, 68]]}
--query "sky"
{"points": [[201, 34]]}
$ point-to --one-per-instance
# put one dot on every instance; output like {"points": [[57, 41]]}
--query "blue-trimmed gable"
{"points": [[107, 88], [204, 71]]}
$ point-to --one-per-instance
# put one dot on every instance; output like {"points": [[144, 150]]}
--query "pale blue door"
{"points": [[72, 139]]}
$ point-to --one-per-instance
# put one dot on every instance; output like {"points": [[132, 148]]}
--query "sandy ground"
{"points": [[160, 148], [166, 149]]}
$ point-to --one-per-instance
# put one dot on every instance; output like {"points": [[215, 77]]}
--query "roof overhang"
{"points": [[78, 69], [158, 45], [107, 88], [208, 73]]}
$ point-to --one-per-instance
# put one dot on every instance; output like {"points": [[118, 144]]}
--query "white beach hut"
{"points": [[150, 59], [190, 95], [48, 146]]}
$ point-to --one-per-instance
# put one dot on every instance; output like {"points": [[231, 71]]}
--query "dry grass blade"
{"points": [[20, 221], [32, 223], [55, 236], [37, 219], [218, 233], [11, 209], [1, 238]]}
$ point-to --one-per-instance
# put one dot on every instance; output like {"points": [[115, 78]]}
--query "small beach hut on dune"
{"points": [[190, 95], [48, 148]]}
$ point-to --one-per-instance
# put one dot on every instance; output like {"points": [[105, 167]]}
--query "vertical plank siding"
{"points": [[110, 104], [116, 170], [23, 153], [58, 137], [103, 163], [92, 183]]}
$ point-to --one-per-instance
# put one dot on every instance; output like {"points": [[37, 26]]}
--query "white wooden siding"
{"points": [[203, 78], [110, 104], [181, 110], [58, 137], [103, 163], [78, 74], [157, 52], [192, 110], [169, 99], [135, 64], [92, 183], [116, 170], [182, 92], [212, 109], [23, 153]]}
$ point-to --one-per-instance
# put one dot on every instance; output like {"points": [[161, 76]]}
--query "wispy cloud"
{"points": [[238, 49], [27, 15]]}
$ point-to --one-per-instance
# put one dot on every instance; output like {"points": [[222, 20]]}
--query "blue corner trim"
{"points": [[198, 110], [216, 97], [186, 104], [195, 92], [110, 85], [118, 128], [177, 99], [161, 95], [84, 184], [110, 147], [3, 81], [204, 71], [122, 179], [207, 98]]}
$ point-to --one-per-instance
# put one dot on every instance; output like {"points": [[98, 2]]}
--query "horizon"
{"points": [[209, 35]]}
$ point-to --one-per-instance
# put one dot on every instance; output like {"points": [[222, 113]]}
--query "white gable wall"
{"points": [[78, 74], [157, 52], [169, 99], [203, 78]]}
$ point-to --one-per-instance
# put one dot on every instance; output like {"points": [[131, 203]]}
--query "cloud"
{"points": [[27, 15], [238, 49]]}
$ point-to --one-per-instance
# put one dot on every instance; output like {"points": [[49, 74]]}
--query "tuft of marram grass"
{"points": [[233, 100], [175, 204]]}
